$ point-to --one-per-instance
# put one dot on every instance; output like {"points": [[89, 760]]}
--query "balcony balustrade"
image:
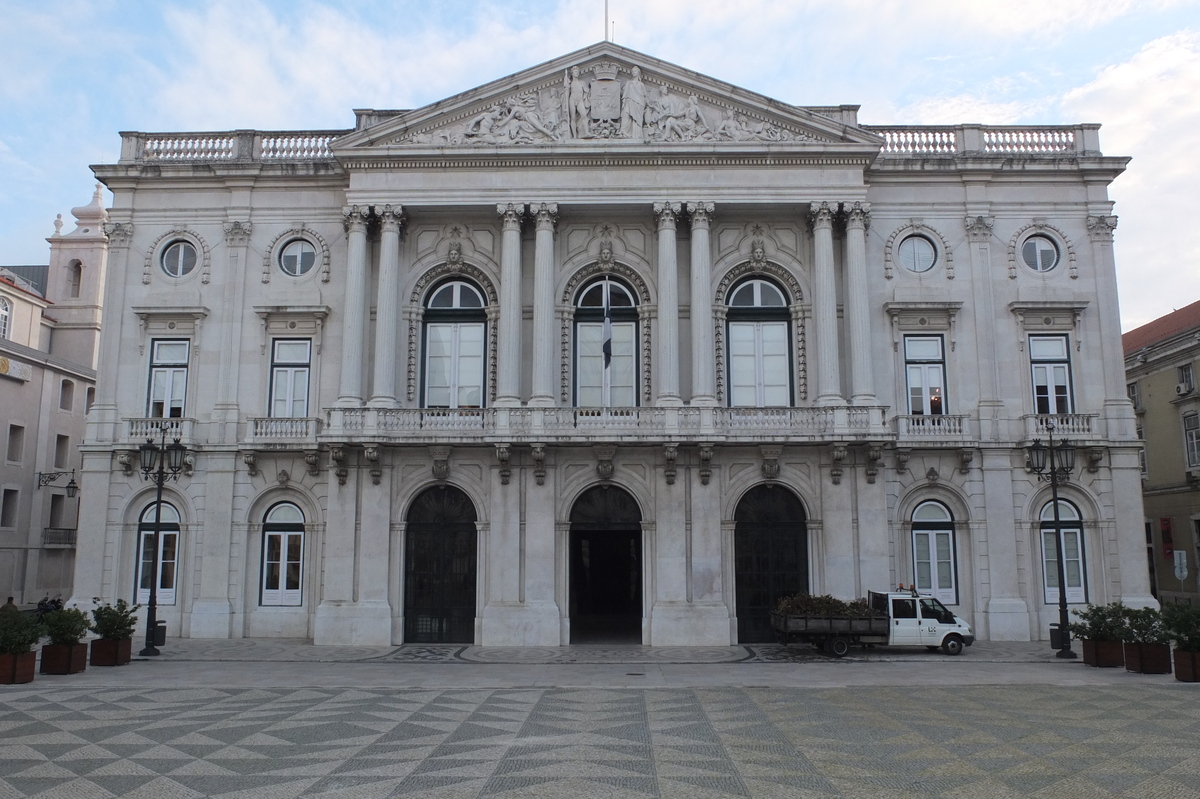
{"points": [[1079, 427], [58, 536], [933, 429], [267, 430], [144, 429]]}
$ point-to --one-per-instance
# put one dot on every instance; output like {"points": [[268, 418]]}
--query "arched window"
{"points": [[282, 556], [760, 358], [935, 566], [167, 553], [5, 316], [606, 338], [455, 338], [1070, 532], [74, 279], [66, 395]]}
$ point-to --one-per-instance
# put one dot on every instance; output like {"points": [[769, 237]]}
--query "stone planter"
{"points": [[1187, 666], [15, 669], [58, 659], [1103, 654], [106, 652], [1148, 658]]}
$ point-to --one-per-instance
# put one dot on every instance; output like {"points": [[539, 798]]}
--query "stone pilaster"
{"points": [[508, 389], [387, 308], [354, 324], [667, 354], [545, 339]]}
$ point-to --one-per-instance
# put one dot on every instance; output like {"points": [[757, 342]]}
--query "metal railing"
{"points": [[58, 536]]}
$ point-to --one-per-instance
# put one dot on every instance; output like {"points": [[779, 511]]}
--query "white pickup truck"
{"points": [[902, 618]]}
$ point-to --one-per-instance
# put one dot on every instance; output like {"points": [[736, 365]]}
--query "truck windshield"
{"points": [[933, 609]]}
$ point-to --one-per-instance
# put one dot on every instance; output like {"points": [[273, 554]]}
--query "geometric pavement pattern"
{"points": [[985, 741]]}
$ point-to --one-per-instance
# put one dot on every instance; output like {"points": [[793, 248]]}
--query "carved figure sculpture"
{"points": [[633, 105], [483, 126], [578, 105]]}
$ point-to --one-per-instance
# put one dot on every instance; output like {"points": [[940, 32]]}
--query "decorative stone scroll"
{"points": [[604, 100]]}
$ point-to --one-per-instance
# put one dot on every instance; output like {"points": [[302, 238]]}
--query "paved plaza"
{"points": [[277, 719]]}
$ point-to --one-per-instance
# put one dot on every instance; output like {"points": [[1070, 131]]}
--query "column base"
{"points": [[353, 624], [1007, 619], [507, 402], [668, 401], [210, 618], [685, 624], [541, 401], [521, 625], [382, 402], [348, 402]]}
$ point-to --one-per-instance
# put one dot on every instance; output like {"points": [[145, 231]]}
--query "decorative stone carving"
{"points": [[441, 463], [979, 228], [665, 214], [371, 453], [965, 456], [302, 232], [58, 226], [544, 214], [822, 213], [604, 463], [706, 456], [237, 234], [874, 456], [1039, 225], [1095, 456], [251, 461], [902, 457], [539, 463], [189, 464], [454, 253], [932, 476], [119, 233], [337, 455], [770, 464], [837, 466], [670, 453], [125, 459], [313, 459], [502, 455], [283, 477], [178, 233], [1100, 228], [917, 227]]}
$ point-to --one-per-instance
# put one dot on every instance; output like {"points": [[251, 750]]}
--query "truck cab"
{"points": [[918, 620]]}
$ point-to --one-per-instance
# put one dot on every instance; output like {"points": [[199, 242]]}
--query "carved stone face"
{"points": [[636, 73], [574, 72]]}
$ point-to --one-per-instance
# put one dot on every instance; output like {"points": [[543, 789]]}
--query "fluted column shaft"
{"points": [[508, 342], [354, 330], [858, 314], [704, 353], [668, 305], [545, 341], [825, 306], [387, 309]]}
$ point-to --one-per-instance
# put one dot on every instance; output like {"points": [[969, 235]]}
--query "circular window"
{"points": [[1039, 253], [179, 259], [917, 254], [297, 258]]}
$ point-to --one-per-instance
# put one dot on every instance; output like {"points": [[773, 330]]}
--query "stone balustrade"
{"points": [[1076, 426], [269, 430], [141, 430], [938, 429], [232, 146]]}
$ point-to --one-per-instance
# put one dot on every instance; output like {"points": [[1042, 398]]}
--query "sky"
{"points": [[73, 73]]}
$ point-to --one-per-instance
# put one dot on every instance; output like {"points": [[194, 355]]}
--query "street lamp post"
{"points": [[1052, 464], [47, 478], [159, 463]]}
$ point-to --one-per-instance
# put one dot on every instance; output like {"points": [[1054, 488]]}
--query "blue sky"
{"points": [[73, 74]]}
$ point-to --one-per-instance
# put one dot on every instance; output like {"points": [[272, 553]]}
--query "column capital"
{"points": [[545, 214], [354, 217], [119, 233], [391, 218], [701, 213], [1100, 228], [237, 233], [858, 215], [979, 228], [511, 214], [666, 212], [822, 214]]}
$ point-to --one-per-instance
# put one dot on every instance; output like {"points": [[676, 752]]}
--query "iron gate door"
{"points": [[770, 550], [439, 568]]}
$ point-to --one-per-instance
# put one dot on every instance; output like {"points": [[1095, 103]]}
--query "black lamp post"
{"points": [[160, 463], [1052, 464], [46, 478]]}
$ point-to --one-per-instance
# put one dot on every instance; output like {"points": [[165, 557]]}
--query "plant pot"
{"points": [[112, 652], [16, 669], [1148, 658], [1187, 666], [60, 659], [1103, 654]]}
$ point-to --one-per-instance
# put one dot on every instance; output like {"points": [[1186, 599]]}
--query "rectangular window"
{"points": [[62, 451], [282, 559], [289, 378], [57, 510], [1135, 395], [1191, 439], [1072, 544], [1141, 434], [66, 395], [90, 401], [933, 561], [1050, 359], [598, 386], [1187, 377], [16, 443], [759, 367], [8, 507], [168, 557], [926, 371], [168, 379], [454, 365]]}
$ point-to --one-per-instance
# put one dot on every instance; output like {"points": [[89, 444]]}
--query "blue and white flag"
{"points": [[607, 346]]}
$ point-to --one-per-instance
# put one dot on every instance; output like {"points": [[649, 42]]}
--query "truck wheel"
{"points": [[837, 646], [953, 645]]}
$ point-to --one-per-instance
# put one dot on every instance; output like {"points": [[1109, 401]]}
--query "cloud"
{"points": [[960, 109]]}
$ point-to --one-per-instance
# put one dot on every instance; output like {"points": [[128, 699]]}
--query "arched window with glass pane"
{"points": [[760, 362], [455, 337], [167, 552], [935, 566], [5, 316], [1071, 532], [606, 336], [283, 556]]}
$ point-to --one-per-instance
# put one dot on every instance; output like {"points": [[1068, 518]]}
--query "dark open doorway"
{"points": [[770, 550], [605, 577], [439, 568]]}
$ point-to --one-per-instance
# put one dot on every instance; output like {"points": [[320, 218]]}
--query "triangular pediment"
{"points": [[604, 95]]}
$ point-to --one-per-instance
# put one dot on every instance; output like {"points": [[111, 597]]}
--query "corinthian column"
{"points": [[387, 309], [858, 311], [704, 354], [354, 329], [545, 343], [825, 306], [508, 342], [668, 305]]}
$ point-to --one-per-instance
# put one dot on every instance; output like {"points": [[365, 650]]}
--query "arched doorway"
{"points": [[605, 580], [770, 551], [439, 568]]}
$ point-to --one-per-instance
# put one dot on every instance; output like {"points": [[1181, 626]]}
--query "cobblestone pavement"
{"points": [[1000, 721]]}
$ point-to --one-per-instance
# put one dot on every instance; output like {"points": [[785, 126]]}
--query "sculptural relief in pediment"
{"points": [[605, 101]]}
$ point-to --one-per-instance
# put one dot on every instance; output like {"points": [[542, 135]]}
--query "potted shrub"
{"points": [[18, 634], [1101, 630], [114, 624], [1147, 644], [65, 654], [1182, 623]]}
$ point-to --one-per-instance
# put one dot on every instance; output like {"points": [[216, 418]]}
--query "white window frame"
{"points": [[290, 379], [1134, 391], [464, 319], [759, 346], [169, 533], [174, 261], [295, 251], [288, 536], [934, 547], [1187, 376], [926, 375], [909, 250], [168, 381], [1051, 373], [5, 316], [613, 384], [1074, 553], [1191, 439], [1051, 246]]}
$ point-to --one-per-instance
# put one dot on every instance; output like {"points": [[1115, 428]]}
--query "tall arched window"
{"points": [[167, 553], [282, 556], [760, 362], [74, 279], [935, 567], [455, 340], [5, 316], [606, 338], [1074, 561]]}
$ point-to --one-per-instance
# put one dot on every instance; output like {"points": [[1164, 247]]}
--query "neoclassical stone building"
{"points": [[608, 349]]}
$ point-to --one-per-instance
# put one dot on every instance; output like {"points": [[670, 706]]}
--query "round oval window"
{"points": [[917, 254], [1039, 253], [179, 259], [297, 258]]}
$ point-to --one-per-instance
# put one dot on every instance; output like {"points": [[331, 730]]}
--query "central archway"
{"points": [[770, 550], [605, 580], [439, 568]]}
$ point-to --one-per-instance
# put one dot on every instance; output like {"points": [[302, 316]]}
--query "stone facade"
{"points": [[608, 347]]}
